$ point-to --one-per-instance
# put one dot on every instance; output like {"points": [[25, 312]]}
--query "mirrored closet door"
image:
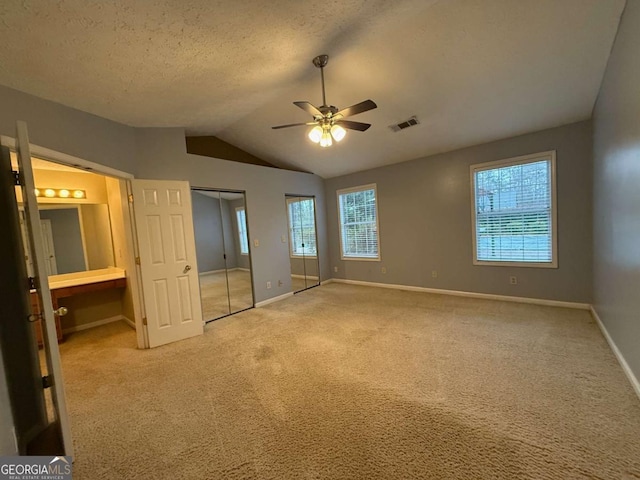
{"points": [[222, 250], [303, 252]]}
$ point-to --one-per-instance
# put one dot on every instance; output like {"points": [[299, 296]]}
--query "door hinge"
{"points": [[144, 321], [130, 197], [224, 255], [137, 260], [47, 381], [16, 177], [32, 283]]}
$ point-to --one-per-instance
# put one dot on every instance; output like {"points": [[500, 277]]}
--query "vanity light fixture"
{"points": [[60, 193]]}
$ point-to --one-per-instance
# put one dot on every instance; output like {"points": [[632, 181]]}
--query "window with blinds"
{"points": [[514, 211], [242, 230], [302, 227], [359, 223]]}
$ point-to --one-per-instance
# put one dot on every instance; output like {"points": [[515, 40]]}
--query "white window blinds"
{"points": [[242, 230], [514, 211], [302, 227], [359, 223]]}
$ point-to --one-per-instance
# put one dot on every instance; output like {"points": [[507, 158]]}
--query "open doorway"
{"points": [[85, 224]]}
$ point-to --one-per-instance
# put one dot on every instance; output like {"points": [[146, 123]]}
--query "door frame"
{"points": [[132, 269]]}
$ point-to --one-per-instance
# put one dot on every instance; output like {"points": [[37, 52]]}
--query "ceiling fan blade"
{"points": [[307, 107], [293, 125], [357, 108], [353, 125]]}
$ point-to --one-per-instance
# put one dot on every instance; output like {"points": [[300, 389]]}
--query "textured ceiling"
{"points": [[471, 70]]}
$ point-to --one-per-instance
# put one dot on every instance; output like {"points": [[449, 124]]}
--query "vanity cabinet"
{"points": [[69, 291]]}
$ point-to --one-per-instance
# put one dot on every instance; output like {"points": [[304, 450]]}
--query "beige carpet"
{"points": [[349, 382], [213, 293]]}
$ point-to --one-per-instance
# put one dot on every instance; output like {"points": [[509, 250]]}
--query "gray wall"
{"points": [[265, 189], [67, 239], [425, 221], [617, 191], [67, 130]]}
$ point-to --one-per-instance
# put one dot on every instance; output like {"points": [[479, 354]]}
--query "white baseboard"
{"points": [[97, 323], [325, 282], [310, 277], [274, 299], [200, 274], [458, 293], [635, 384], [131, 323]]}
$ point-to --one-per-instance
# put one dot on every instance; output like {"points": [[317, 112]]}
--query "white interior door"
{"points": [[34, 233], [47, 245], [167, 251], [25, 242]]}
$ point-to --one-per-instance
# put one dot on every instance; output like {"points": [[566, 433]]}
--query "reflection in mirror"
{"points": [[302, 242], [222, 249], [76, 238]]}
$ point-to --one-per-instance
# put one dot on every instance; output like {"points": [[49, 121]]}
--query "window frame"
{"points": [[246, 232], [549, 156], [361, 188], [293, 199]]}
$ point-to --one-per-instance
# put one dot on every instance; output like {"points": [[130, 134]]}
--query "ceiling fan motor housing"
{"points": [[321, 61]]}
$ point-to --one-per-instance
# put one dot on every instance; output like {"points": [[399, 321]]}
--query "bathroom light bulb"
{"points": [[315, 134], [64, 193], [78, 194], [338, 132], [37, 192], [50, 193]]}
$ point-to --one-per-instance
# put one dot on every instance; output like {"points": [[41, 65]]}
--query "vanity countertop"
{"points": [[84, 278]]}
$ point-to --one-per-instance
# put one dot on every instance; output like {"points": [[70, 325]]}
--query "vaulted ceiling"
{"points": [[471, 70]]}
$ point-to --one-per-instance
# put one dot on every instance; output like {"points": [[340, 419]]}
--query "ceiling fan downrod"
{"points": [[320, 62]]}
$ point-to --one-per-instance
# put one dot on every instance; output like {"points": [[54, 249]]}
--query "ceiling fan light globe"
{"points": [[338, 133], [315, 134], [326, 140]]}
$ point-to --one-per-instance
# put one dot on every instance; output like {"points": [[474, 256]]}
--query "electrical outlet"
{"points": [[335, 269], [383, 269], [283, 239], [434, 274], [279, 283], [513, 280], [268, 285], [256, 242]]}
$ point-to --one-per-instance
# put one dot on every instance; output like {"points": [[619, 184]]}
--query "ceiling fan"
{"points": [[329, 122]]}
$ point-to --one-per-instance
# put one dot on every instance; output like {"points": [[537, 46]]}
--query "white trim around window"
{"points": [[355, 256], [507, 199]]}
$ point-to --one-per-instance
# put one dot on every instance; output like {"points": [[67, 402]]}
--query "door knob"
{"points": [[61, 312], [186, 269]]}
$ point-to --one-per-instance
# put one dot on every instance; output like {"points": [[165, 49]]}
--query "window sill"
{"points": [[361, 259], [484, 263]]}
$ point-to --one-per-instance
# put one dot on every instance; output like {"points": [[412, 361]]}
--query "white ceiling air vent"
{"points": [[406, 124]]}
